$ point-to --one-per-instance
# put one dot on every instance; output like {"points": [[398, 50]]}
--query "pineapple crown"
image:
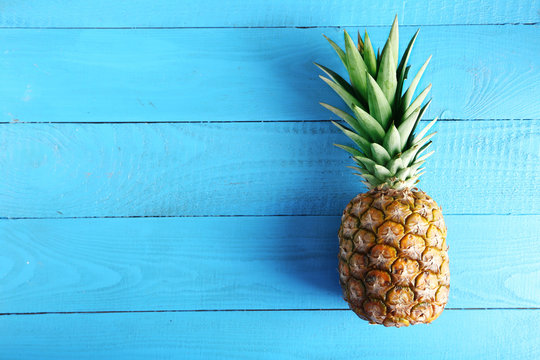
{"points": [[384, 115]]}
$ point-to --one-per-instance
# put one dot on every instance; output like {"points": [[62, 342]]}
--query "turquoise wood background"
{"points": [[170, 189]]}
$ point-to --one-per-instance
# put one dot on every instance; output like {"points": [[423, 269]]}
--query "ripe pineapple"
{"points": [[393, 260]]}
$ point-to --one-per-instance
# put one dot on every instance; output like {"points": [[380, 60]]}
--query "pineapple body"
{"points": [[393, 259]]}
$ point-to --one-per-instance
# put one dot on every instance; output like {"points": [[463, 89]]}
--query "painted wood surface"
{"points": [[221, 98], [478, 335], [237, 263], [478, 72], [237, 13], [80, 170]]}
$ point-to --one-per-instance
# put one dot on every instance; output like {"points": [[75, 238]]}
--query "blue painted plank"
{"points": [[475, 335], [237, 263], [74, 170], [487, 72], [234, 13]]}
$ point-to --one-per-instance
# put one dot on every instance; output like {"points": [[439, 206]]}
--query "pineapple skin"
{"points": [[393, 257]]}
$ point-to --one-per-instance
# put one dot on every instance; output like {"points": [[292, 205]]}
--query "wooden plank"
{"points": [[234, 13], [487, 72], [478, 335], [237, 263], [77, 170]]}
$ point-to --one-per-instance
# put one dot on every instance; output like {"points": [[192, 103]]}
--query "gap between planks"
{"points": [[249, 27], [223, 216], [230, 310], [228, 122]]}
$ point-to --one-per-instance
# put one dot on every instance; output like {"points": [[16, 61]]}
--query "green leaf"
{"points": [[406, 128], [369, 56], [403, 174], [395, 165], [337, 78], [417, 102], [360, 170], [380, 155], [344, 94], [393, 40], [424, 130], [412, 181], [372, 127], [350, 150], [392, 142], [362, 143], [348, 119], [403, 70], [382, 173], [338, 50], [422, 149], [386, 77], [422, 141], [407, 69], [409, 155], [378, 104], [416, 165], [355, 66], [425, 156], [412, 88], [420, 172], [405, 58], [372, 180], [418, 119], [368, 163], [360, 44]]}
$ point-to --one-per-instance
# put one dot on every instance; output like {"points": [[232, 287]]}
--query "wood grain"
{"points": [[235, 13], [237, 263], [78, 170], [478, 335], [478, 72]]}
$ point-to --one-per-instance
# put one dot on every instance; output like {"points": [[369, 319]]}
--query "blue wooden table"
{"points": [[169, 187]]}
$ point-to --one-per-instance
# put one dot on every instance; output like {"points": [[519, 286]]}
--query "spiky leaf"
{"points": [[368, 163], [338, 50], [337, 78], [360, 44], [386, 77], [349, 99], [381, 172], [379, 154], [378, 104], [362, 171], [372, 180], [362, 143], [395, 165], [403, 70], [355, 66], [422, 133], [412, 88], [369, 56], [393, 40], [418, 118], [406, 127], [417, 102], [403, 174], [392, 141], [370, 124], [425, 156], [348, 119], [350, 150]]}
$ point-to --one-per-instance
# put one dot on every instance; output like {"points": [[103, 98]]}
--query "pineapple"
{"points": [[393, 260]]}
